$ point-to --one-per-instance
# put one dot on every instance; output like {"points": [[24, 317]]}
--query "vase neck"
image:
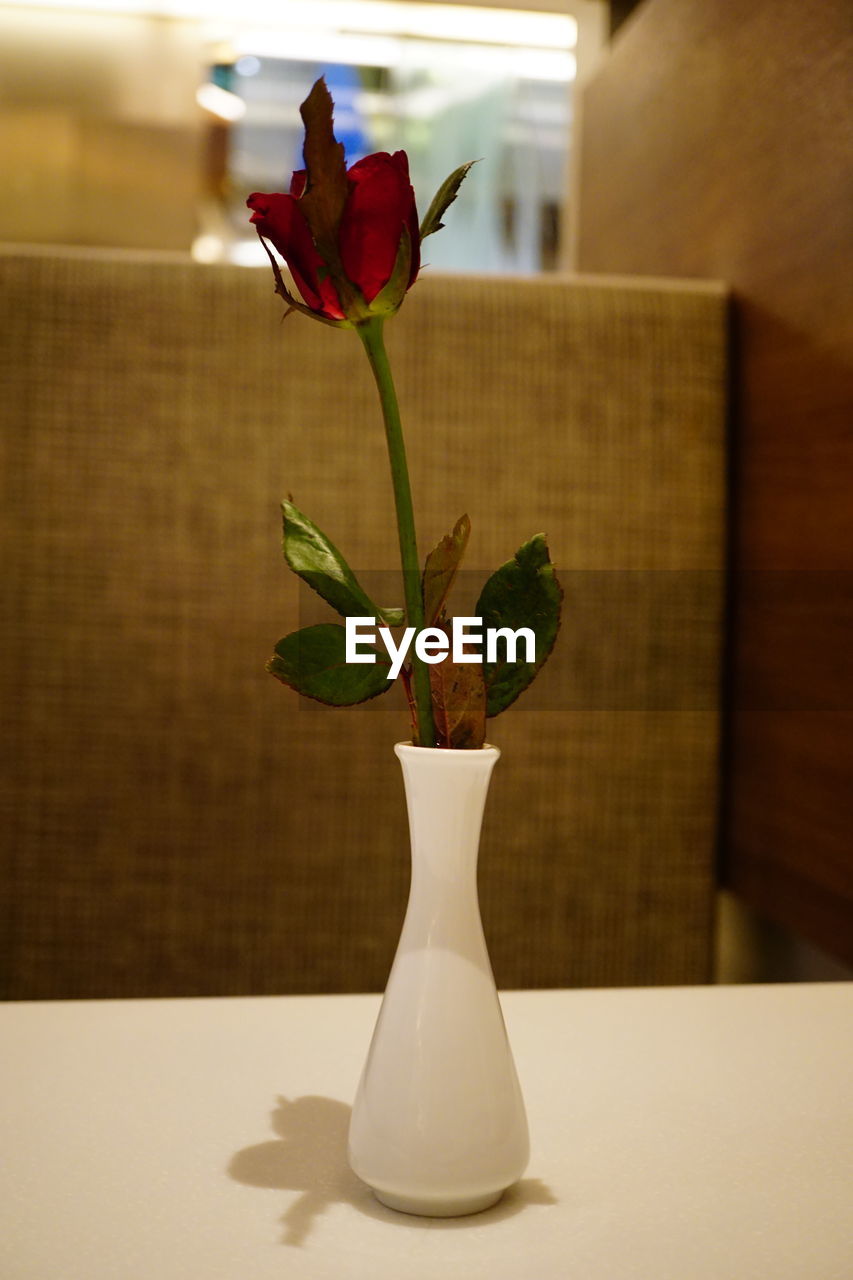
{"points": [[445, 796]]}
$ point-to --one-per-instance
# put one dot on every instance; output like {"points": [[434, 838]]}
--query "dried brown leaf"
{"points": [[442, 565], [458, 703]]}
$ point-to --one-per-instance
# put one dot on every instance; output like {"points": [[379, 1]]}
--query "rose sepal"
{"points": [[390, 298], [443, 199], [293, 303]]}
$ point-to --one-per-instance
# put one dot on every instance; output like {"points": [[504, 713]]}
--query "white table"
{"points": [[677, 1134]]}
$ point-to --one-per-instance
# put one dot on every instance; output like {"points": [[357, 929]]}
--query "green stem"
{"points": [[370, 332]]}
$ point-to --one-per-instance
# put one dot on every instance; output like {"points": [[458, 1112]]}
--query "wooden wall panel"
{"points": [[717, 141]]}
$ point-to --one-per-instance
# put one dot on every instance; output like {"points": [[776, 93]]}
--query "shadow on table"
{"points": [[309, 1155]]}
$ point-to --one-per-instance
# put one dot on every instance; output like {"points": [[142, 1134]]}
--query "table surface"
{"points": [[677, 1134]]}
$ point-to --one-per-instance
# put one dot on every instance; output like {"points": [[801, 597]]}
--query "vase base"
{"points": [[438, 1207]]}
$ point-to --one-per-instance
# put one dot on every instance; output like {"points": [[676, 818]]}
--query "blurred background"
{"points": [[636, 138], [146, 125]]}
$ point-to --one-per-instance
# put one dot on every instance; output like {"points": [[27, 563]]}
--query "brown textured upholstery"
{"points": [[174, 822]]}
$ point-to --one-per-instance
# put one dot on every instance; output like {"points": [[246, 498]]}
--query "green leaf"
{"points": [[442, 565], [443, 199], [319, 563], [458, 703], [313, 662], [524, 592]]}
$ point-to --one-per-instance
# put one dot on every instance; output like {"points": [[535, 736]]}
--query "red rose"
{"points": [[377, 225]]}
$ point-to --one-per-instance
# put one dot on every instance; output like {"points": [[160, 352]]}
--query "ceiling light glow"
{"points": [[406, 18]]}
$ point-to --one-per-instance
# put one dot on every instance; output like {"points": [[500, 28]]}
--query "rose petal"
{"points": [[380, 203], [279, 219]]}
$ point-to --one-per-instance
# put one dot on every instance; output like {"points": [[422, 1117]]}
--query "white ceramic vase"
{"points": [[438, 1125]]}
